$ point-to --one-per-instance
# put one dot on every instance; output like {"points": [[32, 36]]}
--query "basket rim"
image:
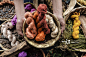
{"points": [[15, 48], [15, 13], [1, 44], [44, 45], [2, 19], [80, 4], [66, 18], [71, 6]]}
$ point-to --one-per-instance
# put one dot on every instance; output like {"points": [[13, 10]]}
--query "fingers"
{"points": [[20, 33], [62, 29], [62, 22], [19, 28]]}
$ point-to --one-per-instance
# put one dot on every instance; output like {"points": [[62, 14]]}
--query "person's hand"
{"points": [[62, 22], [19, 26]]}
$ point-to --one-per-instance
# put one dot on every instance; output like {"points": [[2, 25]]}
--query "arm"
{"points": [[57, 10], [20, 11]]}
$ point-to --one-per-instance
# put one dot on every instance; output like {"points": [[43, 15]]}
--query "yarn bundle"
{"points": [[52, 25], [8, 34], [31, 29], [42, 26], [37, 21], [76, 25]]}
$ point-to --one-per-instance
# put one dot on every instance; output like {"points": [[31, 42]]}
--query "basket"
{"points": [[71, 6], [14, 49], [80, 4], [73, 45], [9, 51], [26, 48], [7, 10], [47, 43]]}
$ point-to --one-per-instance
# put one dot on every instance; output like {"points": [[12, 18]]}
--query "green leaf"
{"points": [[59, 54], [50, 51], [54, 54]]}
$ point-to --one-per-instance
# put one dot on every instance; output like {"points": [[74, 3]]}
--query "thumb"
{"points": [[20, 33], [62, 29]]}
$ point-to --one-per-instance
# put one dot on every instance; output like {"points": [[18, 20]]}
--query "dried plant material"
{"points": [[7, 11], [65, 4], [5, 43]]}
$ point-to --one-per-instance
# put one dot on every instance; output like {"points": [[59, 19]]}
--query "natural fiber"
{"points": [[74, 45], [3, 4], [21, 45], [80, 4], [71, 6], [14, 49], [49, 42]]}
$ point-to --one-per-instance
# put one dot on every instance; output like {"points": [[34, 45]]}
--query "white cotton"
{"points": [[52, 25], [54, 33], [5, 32], [10, 37], [13, 41], [9, 25], [8, 34], [2, 27]]}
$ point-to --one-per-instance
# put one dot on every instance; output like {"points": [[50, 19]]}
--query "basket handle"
{"points": [[6, 1], [14, 49]]}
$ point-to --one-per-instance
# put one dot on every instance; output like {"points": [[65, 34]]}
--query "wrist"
{"points": [[58, 16], [19, 21]]}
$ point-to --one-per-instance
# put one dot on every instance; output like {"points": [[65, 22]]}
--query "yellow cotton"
{"points": [[82, 1], [76, 25], [77, 22]]}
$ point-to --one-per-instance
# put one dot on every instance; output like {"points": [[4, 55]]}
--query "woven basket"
{"points": [[23, 49], [81, 10], [13, 49], [7, 13], [71, 6], [80, 4], [49, 42], [0, 32]]}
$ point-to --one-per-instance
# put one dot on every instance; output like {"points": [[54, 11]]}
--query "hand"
{"points": [[62, 22], [19, 26]]}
